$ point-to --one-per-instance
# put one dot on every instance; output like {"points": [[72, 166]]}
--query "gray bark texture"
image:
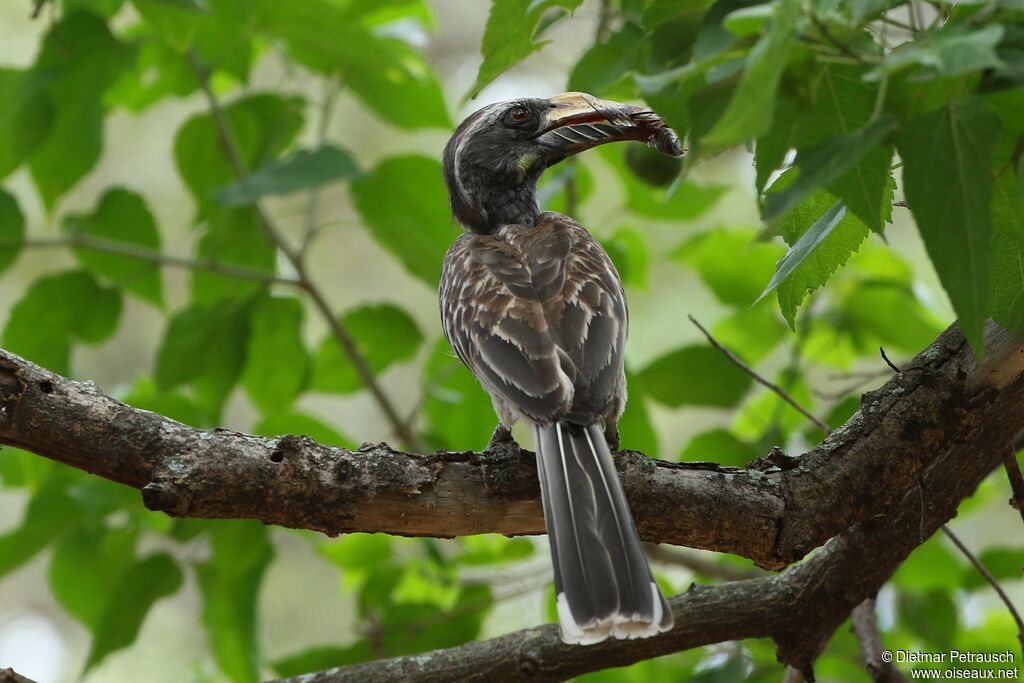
{"points": [[875, 489]]}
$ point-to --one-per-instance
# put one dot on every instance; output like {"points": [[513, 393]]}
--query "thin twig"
{"points": [[888, 362], [699, 565], [761, 380], [326, 107], [901, 204], [78, 241], [865, 627], [838, 44], [991, 580], [232, 151], [1016, 479]]}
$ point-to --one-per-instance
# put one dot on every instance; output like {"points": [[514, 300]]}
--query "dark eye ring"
{"points": [[519, 114]]}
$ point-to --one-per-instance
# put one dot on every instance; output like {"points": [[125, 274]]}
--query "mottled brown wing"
{"points": [[539, 316]]}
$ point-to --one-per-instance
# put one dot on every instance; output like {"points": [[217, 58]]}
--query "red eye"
{"points": [[520, 114]]}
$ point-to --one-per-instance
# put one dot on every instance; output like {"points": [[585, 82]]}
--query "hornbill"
{"points": [[532, 304]]}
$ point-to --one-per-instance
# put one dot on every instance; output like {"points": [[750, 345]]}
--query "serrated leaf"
{"points": [[229, 583], [750, 110], [57, 310], [25, 118], [301, 170], [823, 163], [510, 35], [730, 262], [12, 229], [404, 203], [1006, 296], [121, 217], [302, 424], [276, 359], [696, 376], [950, 51], [947, 155], [384, 334]]}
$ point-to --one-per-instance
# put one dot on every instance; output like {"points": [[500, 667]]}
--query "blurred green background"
{"points": [[113, 143]]}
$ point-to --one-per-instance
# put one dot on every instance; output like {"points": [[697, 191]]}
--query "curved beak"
{"points": [[577, 121]]}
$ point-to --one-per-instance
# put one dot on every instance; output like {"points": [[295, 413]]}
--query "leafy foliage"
{"points": [[868, 136]]}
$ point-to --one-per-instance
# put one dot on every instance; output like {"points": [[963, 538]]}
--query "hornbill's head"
{"points": [[493, 161]]}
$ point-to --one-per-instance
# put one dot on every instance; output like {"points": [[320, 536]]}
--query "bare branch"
{"points": [[348, 344], [79, 241], [10, 675], [865, 627], [991, 580], [699, 565], [761, 380]]}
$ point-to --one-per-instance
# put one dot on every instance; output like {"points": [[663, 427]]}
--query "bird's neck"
{"points": [[510, 204]]}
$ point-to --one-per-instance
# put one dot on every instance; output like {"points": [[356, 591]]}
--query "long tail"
{"points": [[603, 585]]}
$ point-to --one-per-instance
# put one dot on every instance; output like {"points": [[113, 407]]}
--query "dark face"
{"points": [[493, 160]]}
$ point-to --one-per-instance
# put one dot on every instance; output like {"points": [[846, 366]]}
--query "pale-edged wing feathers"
{"points": [[539, 315]]}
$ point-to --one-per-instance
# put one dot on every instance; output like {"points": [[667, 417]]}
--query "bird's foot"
{"points": [[611, 435], [500, 439]]}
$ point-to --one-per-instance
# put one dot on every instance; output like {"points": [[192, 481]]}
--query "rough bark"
{"points": [[877, 487]]}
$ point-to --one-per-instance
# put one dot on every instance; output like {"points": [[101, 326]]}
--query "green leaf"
{"points": [[12, 229], [509, 36], [799, 251], [771, 148], [607, 62], [25, 118], [57, 310], [386, 74], [1008, 205], [85, 568], [918, 572], [230, 583], [206, 347], [79, 60], [458, 411], [931, 615], [138, 589], [950, 51], [384, 335], [695, 375], [276, 359], [159, 71], [1003, 563], [176, 405], [302, 424], [718, 445], [487, 549], [752, 333], [887, 314], [175, 22], [262, 125], [628, 250], [683, 201], [768, 419], [121, 217], [731, 262], [749, 113], [404, 203], [635, 427], [821, 164], [302, 170], [947, 155], [1006, 296], [50, 514], [321, 658], [234, 237]]}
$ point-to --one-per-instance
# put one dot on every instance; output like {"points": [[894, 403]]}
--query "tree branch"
{"points": [[865, 627]]}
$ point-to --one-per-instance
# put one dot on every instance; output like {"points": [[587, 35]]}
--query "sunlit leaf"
{"points": [[949, 51], [276, 358]]}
